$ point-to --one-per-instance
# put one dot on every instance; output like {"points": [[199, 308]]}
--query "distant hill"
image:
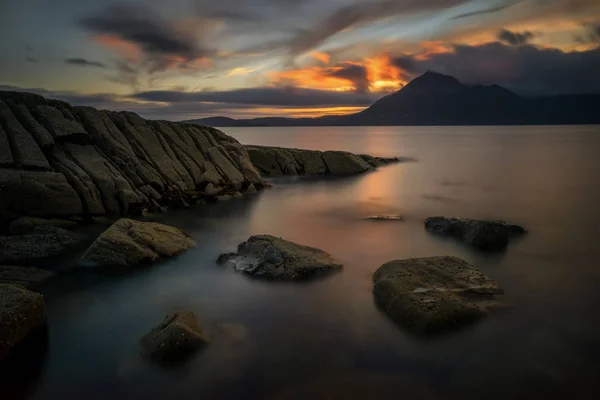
{"points": [[436, 99]]}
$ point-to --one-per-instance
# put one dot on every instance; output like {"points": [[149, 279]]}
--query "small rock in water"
{"points": [[481, 234], [273, 258], [175, 339], [430, 295], [384, 218]]}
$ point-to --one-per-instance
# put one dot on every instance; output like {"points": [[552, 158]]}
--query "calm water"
{"points": [[326, 339]]}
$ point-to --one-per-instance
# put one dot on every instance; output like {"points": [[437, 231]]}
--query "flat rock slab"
{"points": [[174, 339], [430, 295], [481, 234], [21, 313], [37, 245], [273, 258], [129, 243], [28, 277]]}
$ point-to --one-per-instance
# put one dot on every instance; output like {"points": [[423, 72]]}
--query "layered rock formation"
{"points": [[277, 161], [59, 161]]}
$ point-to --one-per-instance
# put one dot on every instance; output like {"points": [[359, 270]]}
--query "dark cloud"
{"points": [[490, 10], [162, 44], [270, 96], [525, 69], [357, 74], [514, 38], [591, 35], [82, 62], [31, 60]]}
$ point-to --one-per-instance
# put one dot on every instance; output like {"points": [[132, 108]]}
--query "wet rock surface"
{"points": [[481, 234], [21, 313], [273, 258], [278, 161], [27, 277], [173, 340], [130, 243], [37, 245], [436, 294]]}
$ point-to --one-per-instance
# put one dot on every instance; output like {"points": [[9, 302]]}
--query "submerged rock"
{"points": [[482, 234], [429, 295], [174, 339], [128, 243], [39, 244], [272, 258], [28, 277], [21, 313]]}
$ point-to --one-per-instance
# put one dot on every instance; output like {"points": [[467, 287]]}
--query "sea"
{"points": [[326, 339]]}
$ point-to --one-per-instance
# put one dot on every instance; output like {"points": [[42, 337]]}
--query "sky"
{"points": [[185, 59]]}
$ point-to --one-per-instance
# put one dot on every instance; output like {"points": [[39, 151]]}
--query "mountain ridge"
{"points": [[438, 99]]}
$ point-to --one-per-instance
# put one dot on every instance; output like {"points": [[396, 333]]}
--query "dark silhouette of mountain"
{"points": [[220, 121], [436, 99]]}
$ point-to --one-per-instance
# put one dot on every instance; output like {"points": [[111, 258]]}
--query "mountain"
{"points": [[436, 99]]}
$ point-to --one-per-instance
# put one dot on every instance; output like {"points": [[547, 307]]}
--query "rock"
{"points": [[37, 194], [61, 127], [24, 225], [174, 339], [385, 218], [25, 151], [22, 312], [227, 169], [28, 277], [211, 175], [211, 190], [129, 243], [430, 295], [273, 258], [277, 161], [481, 234], [37, 245], [343, 163]]}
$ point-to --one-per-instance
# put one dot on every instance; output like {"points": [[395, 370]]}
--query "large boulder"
{"points": [[430, 295], [481, 234], [22, 312], [37, 245], [174, 339], [28, 277], [272, 258], [128, 243]]}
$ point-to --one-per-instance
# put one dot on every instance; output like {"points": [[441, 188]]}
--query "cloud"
{"points": [[357, 74], [525, 69], [161, 44], [515, 38], [82, 62], [269, 96], [489, 10], [358, 14], [31, 60]]}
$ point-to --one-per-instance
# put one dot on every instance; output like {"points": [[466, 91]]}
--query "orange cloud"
{"points": [[320, 56], [305, 112], [381, 76], [123, 48], [313, 78]]}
